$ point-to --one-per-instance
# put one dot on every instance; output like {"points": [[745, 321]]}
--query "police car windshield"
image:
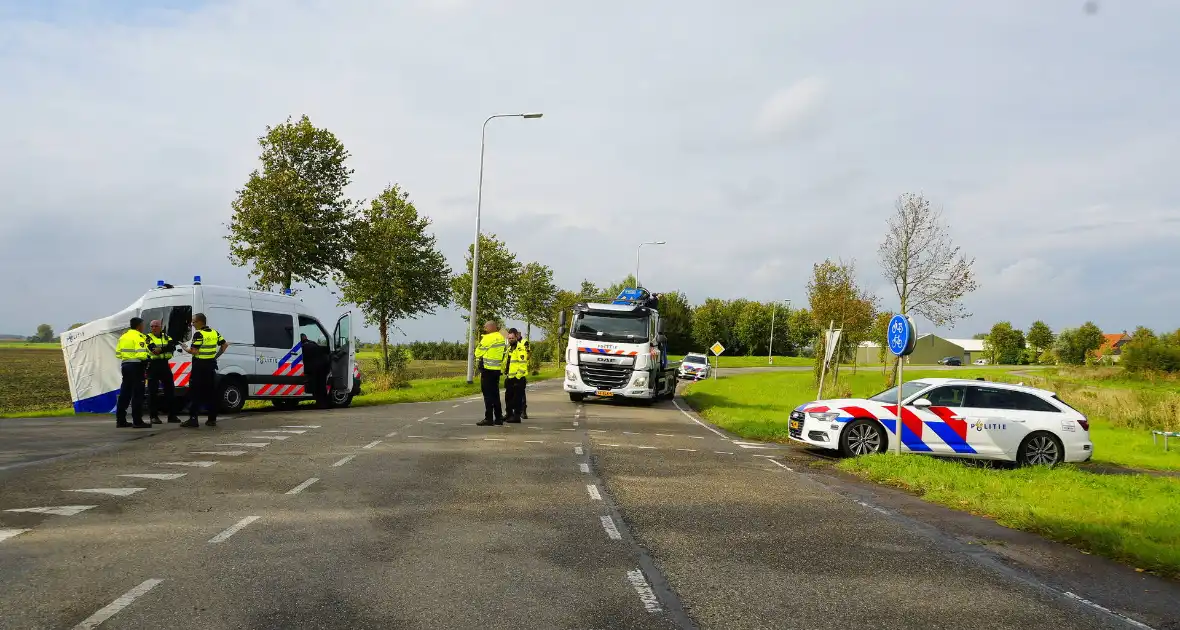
{"points": [[625, 327], [907, 390], [692, 359]]}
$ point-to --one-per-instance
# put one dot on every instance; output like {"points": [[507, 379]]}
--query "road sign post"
{"points": [[901, 339], [716, 349]]}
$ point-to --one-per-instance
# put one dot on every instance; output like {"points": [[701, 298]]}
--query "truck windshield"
{"points": [[624, 328]]}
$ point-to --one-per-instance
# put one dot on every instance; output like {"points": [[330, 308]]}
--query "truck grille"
{"points": [[797, 433], [606, 376]]}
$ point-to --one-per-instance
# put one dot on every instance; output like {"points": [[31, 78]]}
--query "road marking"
{"points": [[494, 440], [593, 490], [723, 452], [343, 461], [872, 507], [391, 434], [454, 406], [575, 423], [598, 430], [577, 450], [225, 453], [439, 411], [584, 467], [115, 492], [608, 524], [250, 444], [56, 510], [195, 464], [458, 438], [415, 436], [643, 590], [438, 423], [303, 486], [423, 418], [5, 534], [569, 429], [534, 442], [696, 437], [537, 428], [778, 463], [645, 447], [268, 437], [159, 476], [233, 529], [295, 431], [665, 435], [689, 416], [300, 426], [1108, 611], [372, 444], [616, 445], [690, 450], [124, 600]]}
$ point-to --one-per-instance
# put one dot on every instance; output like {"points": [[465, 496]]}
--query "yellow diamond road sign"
{"points": [[717, 348]]}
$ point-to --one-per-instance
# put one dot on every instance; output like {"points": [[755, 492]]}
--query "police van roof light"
{"points": [[159, 283], [196, 279]]}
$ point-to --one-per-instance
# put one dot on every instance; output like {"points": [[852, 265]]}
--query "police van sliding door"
{"points": [[276, 356]]}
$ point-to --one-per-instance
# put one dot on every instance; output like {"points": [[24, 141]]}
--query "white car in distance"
{"points": [[695, 366], [951, 417]]}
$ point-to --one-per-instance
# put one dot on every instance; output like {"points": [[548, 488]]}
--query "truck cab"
{"points": [[617, 350]]}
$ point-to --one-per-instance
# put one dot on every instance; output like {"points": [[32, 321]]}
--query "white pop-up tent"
{"points": [[91, 367]]}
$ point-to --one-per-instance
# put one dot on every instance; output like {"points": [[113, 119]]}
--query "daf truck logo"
{"points": [[597, 358]]}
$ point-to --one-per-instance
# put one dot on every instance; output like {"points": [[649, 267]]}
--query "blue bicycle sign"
{"points": [[901, 335]]}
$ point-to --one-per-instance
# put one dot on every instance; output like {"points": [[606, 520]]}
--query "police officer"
{"points": [[524, 400], [132, 353], [207, 346], [159, 372], [490, 354], [516, 371]]}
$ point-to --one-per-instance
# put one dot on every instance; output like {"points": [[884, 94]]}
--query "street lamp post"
{"points": [[773, 308], [639, 249], [475, 249]]}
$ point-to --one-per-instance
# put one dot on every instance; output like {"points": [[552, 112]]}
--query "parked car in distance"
{"points": [[950, 361], [695, 366], [981, 362]]}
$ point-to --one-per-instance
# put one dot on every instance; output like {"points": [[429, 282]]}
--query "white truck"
{"points": [[617, 350], [264, 359]]}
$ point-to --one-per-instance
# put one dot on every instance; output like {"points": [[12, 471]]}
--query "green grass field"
{"points": [[1131, 518], [24, 345]]}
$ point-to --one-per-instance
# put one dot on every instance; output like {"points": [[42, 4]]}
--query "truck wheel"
{"points": [[862, 437], [232, 395], [1040, 448], [574, 397]]}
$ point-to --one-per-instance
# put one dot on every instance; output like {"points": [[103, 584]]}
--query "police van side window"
{"points": [[313, 330], [273, 330]]}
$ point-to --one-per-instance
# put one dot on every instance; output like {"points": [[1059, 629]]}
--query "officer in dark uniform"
{"points": [[159, 372], [207, 346], [315, 369]]}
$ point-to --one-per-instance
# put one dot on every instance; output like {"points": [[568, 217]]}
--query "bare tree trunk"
{"points": [[528, 331], [384, 328]]}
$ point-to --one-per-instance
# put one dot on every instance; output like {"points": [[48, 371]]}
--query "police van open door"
{"points": [[343, 361]]}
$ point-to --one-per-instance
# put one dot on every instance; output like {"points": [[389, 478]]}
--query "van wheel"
{"points": [[574, 397], [232, 395], [1040, 448], [341, 398], [862, 437]]}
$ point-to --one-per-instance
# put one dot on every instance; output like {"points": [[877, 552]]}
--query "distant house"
{"points": [[1113, 345], [929, 349]]}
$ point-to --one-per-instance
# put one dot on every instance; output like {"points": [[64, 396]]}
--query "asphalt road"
{"points": [[586, 516]]}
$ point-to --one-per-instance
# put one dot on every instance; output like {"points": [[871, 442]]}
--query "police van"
{"points": [[264, 359]]}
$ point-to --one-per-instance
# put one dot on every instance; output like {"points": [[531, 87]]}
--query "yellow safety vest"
{"points": [[162, 341], [210, 342], [132, 347], [518, 361], [491, 349]]}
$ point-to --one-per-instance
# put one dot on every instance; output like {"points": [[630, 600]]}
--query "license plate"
{"points": [[796, 425], [604, 393]]}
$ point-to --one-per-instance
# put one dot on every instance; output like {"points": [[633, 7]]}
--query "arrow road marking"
{"points": [[56, 510], [117, 492], [160, 476]]}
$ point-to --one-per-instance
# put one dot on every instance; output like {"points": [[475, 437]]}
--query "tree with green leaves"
{"points": [[291, 221], [677, 315], [1040, 336], [44, 334], [498, 273], [833, 296], [532, 295], [1004, 344], [752, 327], [1077, 345], [397, 271], [76, 325], [801, 332], [880, 336]]}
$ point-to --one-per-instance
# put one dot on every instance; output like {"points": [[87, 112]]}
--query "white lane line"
{"points": [[598, 430], [415, 436], [372, 444], [534, 442], [439, 411], [593, 491], [194, 464], [584, 467], [223, 453], [124, 600], [267, 437], [577, 450], [535, 428], [631, 433], [575, 423], [157, 476], [646, 595], [612, 444], [688, 450], [780, 464], [569, 429], [458, 438], [300, 426], [645, 447], [696, 437], [454, 406], [115, 492], [303, 486], [250, 444], [343, 461], [295, 431], [873, 507], [233, 529], [56, 510], [689, 416], [665, 435], [724, 452], [440, 423], [612, 532], [494, 439], [5, 534], [391, 434], [1083, 600]]}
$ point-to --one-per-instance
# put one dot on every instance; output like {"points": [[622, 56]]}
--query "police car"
{"points": [[951, 417], [694, 366]]}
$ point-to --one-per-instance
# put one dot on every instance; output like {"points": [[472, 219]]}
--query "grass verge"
{"points": [[1129, 518]]}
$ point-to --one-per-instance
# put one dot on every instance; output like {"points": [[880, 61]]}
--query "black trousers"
{"points": [[489, 384], [317, 386], [202, 389], [513, 397], [159, 374], [524, 400], [130, 393]]}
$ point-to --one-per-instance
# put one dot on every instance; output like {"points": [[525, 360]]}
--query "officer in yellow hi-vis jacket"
{"points": [[159, 372], [524, 398], [490, 354], [208, 345], [132, 353], [516, 371]]}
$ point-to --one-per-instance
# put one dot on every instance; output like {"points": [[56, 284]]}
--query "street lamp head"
{"points": [[661, 242], [532, 115]]}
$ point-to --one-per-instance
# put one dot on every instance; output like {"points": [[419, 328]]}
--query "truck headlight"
{"points": [[640, 381], [571, 374]]}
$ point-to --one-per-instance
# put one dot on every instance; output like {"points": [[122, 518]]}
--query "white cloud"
{"points": [[790, 108]]}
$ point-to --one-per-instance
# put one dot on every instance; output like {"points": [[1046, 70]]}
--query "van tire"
{"points": [[338, 399], [231, 396]]}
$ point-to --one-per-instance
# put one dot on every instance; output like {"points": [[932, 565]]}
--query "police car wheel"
{"points": [[862, 437], [1040, 448], [233, 396]]}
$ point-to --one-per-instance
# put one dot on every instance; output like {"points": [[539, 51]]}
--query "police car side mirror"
{"points": [[922, 402]]}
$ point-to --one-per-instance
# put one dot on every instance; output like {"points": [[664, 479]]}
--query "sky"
{"points": [[756, 138]]}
